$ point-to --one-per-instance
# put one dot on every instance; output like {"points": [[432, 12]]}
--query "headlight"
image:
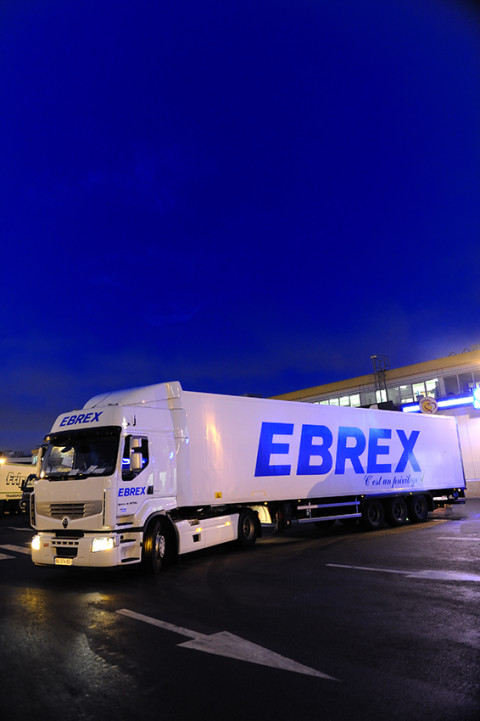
{"points": [[36, 543], [104, 543]]}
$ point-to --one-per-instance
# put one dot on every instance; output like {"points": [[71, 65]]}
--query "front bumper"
{"points": [[114, 549]]}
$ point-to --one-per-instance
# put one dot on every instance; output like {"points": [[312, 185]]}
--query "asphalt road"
{"points": [[319, 625]]}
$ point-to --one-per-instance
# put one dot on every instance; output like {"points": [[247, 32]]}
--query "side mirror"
{"points": [[136, 455], [27, 483], [136, 461]]}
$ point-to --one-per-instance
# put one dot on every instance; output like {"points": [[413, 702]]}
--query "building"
{"points": [[450, 381]]}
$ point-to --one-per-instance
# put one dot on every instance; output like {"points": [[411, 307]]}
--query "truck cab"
{"points": [[103, 474]]}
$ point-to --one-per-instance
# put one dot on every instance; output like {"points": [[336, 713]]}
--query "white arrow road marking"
{"points": [[17, 549], [15, 528], [433, 575], [458, 538], [229, 645], [4, 556]]}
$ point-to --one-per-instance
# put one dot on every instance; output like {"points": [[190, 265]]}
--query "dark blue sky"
{"points": [[246, 196]]}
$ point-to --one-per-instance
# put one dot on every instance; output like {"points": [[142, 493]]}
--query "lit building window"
{"points": [[431, 387], [406, 395], [355, 399], [418, 390], [394, 395], [368, 398]]}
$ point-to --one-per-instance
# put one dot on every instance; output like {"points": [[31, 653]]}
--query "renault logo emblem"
{"points": [[64, 521]]}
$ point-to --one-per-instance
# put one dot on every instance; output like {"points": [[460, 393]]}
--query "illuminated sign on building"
{"points": [[450, 402]]}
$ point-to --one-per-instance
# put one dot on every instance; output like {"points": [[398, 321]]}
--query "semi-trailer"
{"points": [[145, 474]]}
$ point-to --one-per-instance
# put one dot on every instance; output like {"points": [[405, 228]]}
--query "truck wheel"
{"points": [[373, 516], [417, 509], [156, 547], [247, 528], [396, 511]]}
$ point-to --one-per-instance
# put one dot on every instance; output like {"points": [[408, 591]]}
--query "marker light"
{"points": [[103, 543], [36, 543]]}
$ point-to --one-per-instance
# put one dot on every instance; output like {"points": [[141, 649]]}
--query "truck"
{"points": [[12, 475], [144, 475]]}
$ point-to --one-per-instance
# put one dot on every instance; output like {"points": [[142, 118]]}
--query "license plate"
{"points": [[63, 561]]}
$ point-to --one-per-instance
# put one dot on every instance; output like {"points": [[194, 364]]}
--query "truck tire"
{"points": [[373, 516], [396, 511], [247, 528], [417, 509], [157, 546]]}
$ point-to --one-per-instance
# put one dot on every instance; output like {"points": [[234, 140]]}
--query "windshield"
{"points": [[78, 454]]}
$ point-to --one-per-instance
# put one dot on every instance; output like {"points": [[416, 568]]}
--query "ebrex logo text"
{"points": [[351, 443], [81, 418]]}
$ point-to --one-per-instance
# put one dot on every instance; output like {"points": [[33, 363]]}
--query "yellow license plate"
{"points": [[63, 561]]}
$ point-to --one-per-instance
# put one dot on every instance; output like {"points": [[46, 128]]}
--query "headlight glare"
{"points": [[103, 543]]}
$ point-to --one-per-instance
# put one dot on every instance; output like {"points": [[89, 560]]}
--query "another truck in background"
{"points": [[146, 474], [12, 476]]}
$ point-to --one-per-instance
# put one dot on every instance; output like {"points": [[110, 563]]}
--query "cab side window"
{"points": [[135, 456]]}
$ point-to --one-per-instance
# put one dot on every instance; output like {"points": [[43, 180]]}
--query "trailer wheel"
{"points": [[157, 546], [373, 516], [396, 511], [417, 509], [247, 528]]}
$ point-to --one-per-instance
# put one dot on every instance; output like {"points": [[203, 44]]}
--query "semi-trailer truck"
{"points": [[142, 475], [12, 475]]}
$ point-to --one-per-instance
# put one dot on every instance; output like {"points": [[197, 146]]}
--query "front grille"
{"points": [[70, 510], [66, 552]]}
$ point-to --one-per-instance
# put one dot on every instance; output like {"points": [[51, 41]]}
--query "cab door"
{"points": [[136, 482]]}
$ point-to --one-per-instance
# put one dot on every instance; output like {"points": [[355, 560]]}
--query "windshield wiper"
{"points": [[65, 476]]}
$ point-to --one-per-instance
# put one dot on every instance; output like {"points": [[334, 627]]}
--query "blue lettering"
{"points": [[351, 453], [267, 448], [317, 442], [407, 454], [81, 418], [309, 449], [137, 491], [375, 450]]}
